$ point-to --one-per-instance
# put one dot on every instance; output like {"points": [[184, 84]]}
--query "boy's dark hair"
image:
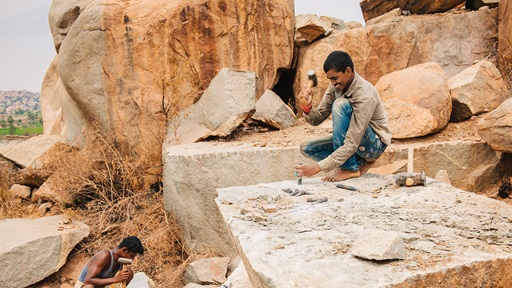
{"points": [[133, 244], [338, 61]]}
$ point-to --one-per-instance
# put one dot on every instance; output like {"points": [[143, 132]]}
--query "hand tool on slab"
{"points": [[299, 180], [411, 178], [123, 262], [347, 187]]}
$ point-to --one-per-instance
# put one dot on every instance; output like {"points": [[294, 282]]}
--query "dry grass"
{"points": [[109, 195]]}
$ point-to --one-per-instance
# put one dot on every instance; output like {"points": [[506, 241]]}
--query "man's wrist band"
{"points": [[306, 109]]}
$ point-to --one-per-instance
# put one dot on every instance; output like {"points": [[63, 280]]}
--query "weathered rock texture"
{"points": [[496, 127], [452, 237], [193, 171], [226, 103], [310, 26], [470, 165], [17, 152], [454, 41], [477, 89], [374, 8], [505, 39], [272, 110], [32, 250], [130, 66], [416, 99]]}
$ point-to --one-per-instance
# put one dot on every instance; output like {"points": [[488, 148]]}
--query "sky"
{"points": [[26, 45]]}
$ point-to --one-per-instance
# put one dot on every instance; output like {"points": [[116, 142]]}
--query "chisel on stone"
{"points": [[347, 187]]}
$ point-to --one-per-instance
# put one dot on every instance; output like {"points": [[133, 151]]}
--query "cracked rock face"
{"points": [[129, 66], [308, 244]]}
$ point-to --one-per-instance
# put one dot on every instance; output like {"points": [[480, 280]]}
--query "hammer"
{"points": [[312, 82], [124, 261]]}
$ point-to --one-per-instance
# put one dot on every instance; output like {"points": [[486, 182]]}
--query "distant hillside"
{"points": [[18, 102]]}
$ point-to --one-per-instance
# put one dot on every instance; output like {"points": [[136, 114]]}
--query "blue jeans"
{"points": [[369, 149]]}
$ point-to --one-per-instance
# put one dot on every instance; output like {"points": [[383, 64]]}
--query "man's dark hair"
{"points": [[133, 244], [338, 61]]}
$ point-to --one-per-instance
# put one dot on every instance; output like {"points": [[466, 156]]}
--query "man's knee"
{"points": [[342, 105]]}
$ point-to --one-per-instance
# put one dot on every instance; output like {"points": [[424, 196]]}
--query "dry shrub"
{"points": [[112, 198], [115, 202]]}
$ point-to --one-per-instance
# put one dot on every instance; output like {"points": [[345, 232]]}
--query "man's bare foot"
{"points": [[363, 169], [340, 174]]}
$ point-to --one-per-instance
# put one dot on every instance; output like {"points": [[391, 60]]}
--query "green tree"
{"points": [[12, 129]]}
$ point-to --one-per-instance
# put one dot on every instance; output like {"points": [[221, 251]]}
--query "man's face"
{"points": [[340, 80]]}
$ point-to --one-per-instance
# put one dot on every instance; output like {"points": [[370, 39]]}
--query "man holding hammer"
{"points": [[360, 124], [103, 267]]}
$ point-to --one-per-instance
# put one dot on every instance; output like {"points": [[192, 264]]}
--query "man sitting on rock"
{"points": [[360, 132], [103, 267]]}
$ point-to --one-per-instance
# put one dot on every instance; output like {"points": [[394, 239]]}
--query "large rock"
{"points": [[131, 66], [477, 89], [310, 26], [38, 145], [496, 127], [32, 250], [454, 41], [374, 8], [193, 171], [453, 238], [471, 165], [228, 101], [61, 115], [505, 39], [62, 15], [416, 99], [272, 110]]}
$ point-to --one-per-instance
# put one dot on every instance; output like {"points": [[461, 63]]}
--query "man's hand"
{"points": [[306, 99], [307, 170], [124, 274]]}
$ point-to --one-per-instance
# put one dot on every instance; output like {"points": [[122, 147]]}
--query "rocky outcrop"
{"points": [[380, 49], [374, 8], [505, 39], [451, 236], [470, 165], [496, 127], [32, 250], [478, 89], [229, 100], [132, 66], [416, 99]]}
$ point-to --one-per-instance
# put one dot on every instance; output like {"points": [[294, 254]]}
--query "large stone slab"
{"points": [[471, 165], [193, 171], [16, 152], [452, 237], [33, 249]]}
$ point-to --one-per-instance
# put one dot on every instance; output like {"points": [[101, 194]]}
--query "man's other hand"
{"points": [[307, 170]]}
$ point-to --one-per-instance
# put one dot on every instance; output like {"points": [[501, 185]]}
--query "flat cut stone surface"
{"points": [[451, 236]]}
